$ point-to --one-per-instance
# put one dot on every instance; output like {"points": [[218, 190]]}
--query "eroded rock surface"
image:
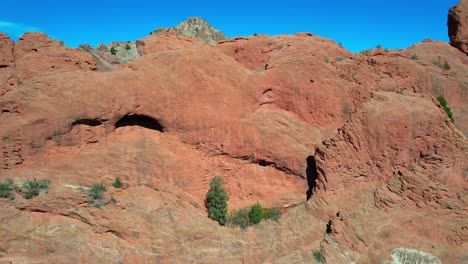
{"points": [[354, 148]]}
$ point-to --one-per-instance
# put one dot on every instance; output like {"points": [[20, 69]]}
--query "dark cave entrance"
{"points": [[312, 176], [140, 120]]}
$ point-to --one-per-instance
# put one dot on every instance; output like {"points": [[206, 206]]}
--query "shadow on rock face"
{"points": [[140, 120], [312, 175]]}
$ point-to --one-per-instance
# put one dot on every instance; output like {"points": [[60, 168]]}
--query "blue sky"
{"points": [[357, 25]]}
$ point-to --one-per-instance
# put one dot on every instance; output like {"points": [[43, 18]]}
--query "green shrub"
{"points": [[255, 34], [256, 213], [127, 47], [447, 109], [117, 183], [280, 46], [447, 66], [318, 255], [271, 213], [113, 51], [5, 188], [34, 187], [365, 52], [96, 192], [378, 46], [414, 56], [326, 59], [216, 201], [239, 217]]}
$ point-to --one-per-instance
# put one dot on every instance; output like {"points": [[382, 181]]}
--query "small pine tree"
{"points": [[216, 201], [113, 51], [256, 213], [117, 183]]}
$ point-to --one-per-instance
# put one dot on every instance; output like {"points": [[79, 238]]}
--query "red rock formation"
{"points": [[8, 79], [36, 54], [254, 111], [165, 41], [458, 26]]}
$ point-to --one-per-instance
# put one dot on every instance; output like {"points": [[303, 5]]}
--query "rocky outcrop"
{"points": [[165, 41], [411, 256], [195, 27], [107, 57], [8, 79], [458, 26], [36, 54], [354, 148]]}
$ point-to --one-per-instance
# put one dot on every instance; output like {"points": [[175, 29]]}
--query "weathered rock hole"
{"points": [[312, 176], [87, 121], [329, 227], [3, 66], [267, 90], [265, 163], [140, 120]]}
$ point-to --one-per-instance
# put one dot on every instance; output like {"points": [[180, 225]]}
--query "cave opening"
{"points": [[329, 227], [312, 175], [140, 120], [265, 163], [87, 121]]}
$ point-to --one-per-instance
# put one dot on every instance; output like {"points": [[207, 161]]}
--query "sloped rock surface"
{"points": [[354, 148]]}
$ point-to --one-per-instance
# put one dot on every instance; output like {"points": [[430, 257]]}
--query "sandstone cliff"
{"points": [[355, 149]]}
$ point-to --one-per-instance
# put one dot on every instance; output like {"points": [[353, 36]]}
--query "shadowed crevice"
{"points": [[140, 120], [312, 176], [87, 121]]}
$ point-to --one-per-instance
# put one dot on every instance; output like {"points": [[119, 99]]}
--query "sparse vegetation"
{"points": [[365, 52], [6, 188], [216, 201], [34, 187], [447, 66], [113, 51], [280, 46], [437, 62], [326, 59], [96, 195], [270, 43], [117, 183], [340, 44], [239, 217], [447, 109], [318, 255], [250, 216], [255, 34], [341, 58], [127, 46], [378, 46], [414, 56], [271, 213]]}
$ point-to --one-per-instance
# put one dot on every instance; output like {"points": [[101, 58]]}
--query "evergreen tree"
{"points": [[216, 201]]}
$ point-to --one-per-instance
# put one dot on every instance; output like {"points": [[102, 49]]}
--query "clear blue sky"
{"points": [[357, 25]]}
